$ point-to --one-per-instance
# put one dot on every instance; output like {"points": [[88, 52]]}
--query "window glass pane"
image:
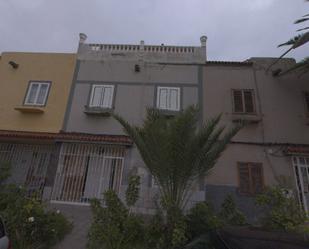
{"points": [[96, 96], [32, 93], [174, 105], [107, 97], [163, 98], [42, 94]]}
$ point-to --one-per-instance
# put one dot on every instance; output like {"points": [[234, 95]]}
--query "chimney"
{"points": [[82, 37], [203, 40]]}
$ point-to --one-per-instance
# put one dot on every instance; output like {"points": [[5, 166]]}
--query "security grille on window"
{"points": [[37, 93], [306, 99], [102, 96], [86, 171], [243, 101], [250, 178], [168, 98]]}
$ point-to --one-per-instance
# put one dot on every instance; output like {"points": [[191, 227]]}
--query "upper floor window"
{"points": [[37, 93], [243, 101], [306, 100], [102, 96], [250, 178], [168, 98]]}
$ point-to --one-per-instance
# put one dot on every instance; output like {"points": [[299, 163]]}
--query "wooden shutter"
{"points": [[238, 103], [249, 104], [244, 178], [256, 178], [250, 178]]}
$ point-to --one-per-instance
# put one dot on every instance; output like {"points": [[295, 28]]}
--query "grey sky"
{"points": [[236, 29]]}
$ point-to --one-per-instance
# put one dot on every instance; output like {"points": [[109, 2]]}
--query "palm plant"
{"points": [[294, 43], [177, 151]]}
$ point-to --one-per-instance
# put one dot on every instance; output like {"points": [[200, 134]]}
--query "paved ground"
{"points": [[81, 217]]}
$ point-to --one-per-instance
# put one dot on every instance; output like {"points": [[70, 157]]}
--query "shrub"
{"points": [[114, 227], [229, 214], [29, 224], [202, 219], [281, 212]]}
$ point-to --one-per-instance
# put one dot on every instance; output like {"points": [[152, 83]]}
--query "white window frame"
{"points": [[110, 105], [169, 89], [40, 83]]}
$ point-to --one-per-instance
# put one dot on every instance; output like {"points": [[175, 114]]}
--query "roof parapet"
{"points": [[153, 53]]}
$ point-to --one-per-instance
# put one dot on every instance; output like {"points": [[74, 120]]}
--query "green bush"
{"points": [[202, 219], [281, 212], [114, 226], [29, 224], [229, 214]]}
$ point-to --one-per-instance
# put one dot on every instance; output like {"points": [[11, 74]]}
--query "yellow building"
{"points": [[34, 90]]}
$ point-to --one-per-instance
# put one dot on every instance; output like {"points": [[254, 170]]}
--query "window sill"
{"points": [[168, 113], [29, 109], [249, 118], [99, 111]]}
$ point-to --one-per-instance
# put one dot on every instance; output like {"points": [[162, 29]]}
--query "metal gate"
{"points": [[28, 164], [301, 170], [86, 171]]}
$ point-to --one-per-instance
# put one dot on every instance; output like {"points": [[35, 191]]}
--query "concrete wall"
{"points": [[279, 103], [133, 93], [57, 68]]}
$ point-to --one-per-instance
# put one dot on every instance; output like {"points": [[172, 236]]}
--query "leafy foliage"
{"points": [[229, 213], [297, 41], [177, 152], [132, 192], [114, 227], [281, 212], [29, 224]]}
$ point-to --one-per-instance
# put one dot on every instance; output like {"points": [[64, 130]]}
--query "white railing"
{"points": [[146, 48], [86, 171]]}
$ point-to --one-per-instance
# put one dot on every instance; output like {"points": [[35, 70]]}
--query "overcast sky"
{"points": [[236, 29]]}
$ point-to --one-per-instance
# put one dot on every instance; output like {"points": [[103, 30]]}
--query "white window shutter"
{"points": [[163, 98], [107, 97], [174, 105], [32, 93], [96, 96], [42, 94]]}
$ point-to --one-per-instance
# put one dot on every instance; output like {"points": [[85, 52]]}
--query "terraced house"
{"points": [[33, 97], [57, 131]]}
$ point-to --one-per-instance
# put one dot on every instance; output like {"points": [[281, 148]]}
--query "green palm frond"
{"points": [[302, 67], [291, 41], [176, 151], [304, 19]]}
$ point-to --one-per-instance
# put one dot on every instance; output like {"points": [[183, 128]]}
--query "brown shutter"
{"points": [[238, 104], [244, 178], [256, 178], [249, 105]]}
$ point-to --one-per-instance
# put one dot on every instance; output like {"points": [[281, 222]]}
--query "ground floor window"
{"points": [[86, 171], [301, 170], [29, 163]]}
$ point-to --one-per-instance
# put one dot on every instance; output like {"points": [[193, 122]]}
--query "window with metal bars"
{"points": [[251, 179], [306, 101], [243, 101]]}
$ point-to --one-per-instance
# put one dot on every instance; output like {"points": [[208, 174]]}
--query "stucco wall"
{"points": [[54, 67], [133, 93]]}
